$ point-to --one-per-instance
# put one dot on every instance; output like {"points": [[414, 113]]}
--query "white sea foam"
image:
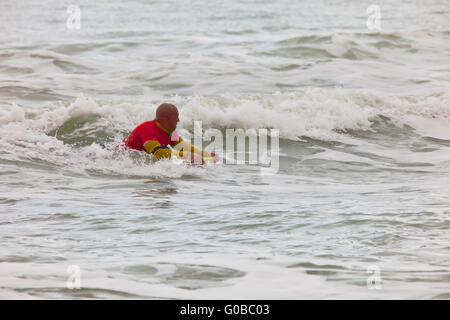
{"points": [[317, 113], [24, 136]]}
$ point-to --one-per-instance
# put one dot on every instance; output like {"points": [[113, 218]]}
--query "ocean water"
{"points": [[358, 207]]}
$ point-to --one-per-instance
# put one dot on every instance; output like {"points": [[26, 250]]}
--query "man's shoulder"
{"points": [[146, 125]]}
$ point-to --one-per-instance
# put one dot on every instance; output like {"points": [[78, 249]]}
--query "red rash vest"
{"points": [[148, 131]]}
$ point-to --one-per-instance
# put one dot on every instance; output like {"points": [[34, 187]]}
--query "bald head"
{"points": [[166, 110], [167, 116]]}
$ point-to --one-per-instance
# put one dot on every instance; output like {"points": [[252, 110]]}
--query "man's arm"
{"points": [[182, 149], [185, 147], [197, 155], [160, 152]]}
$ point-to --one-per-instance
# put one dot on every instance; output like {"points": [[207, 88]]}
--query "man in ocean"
{"points": [[157, 135]]}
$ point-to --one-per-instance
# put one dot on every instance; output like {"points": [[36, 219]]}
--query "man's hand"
{"points": [[198, 159], [212, 155], [215, 156]]}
